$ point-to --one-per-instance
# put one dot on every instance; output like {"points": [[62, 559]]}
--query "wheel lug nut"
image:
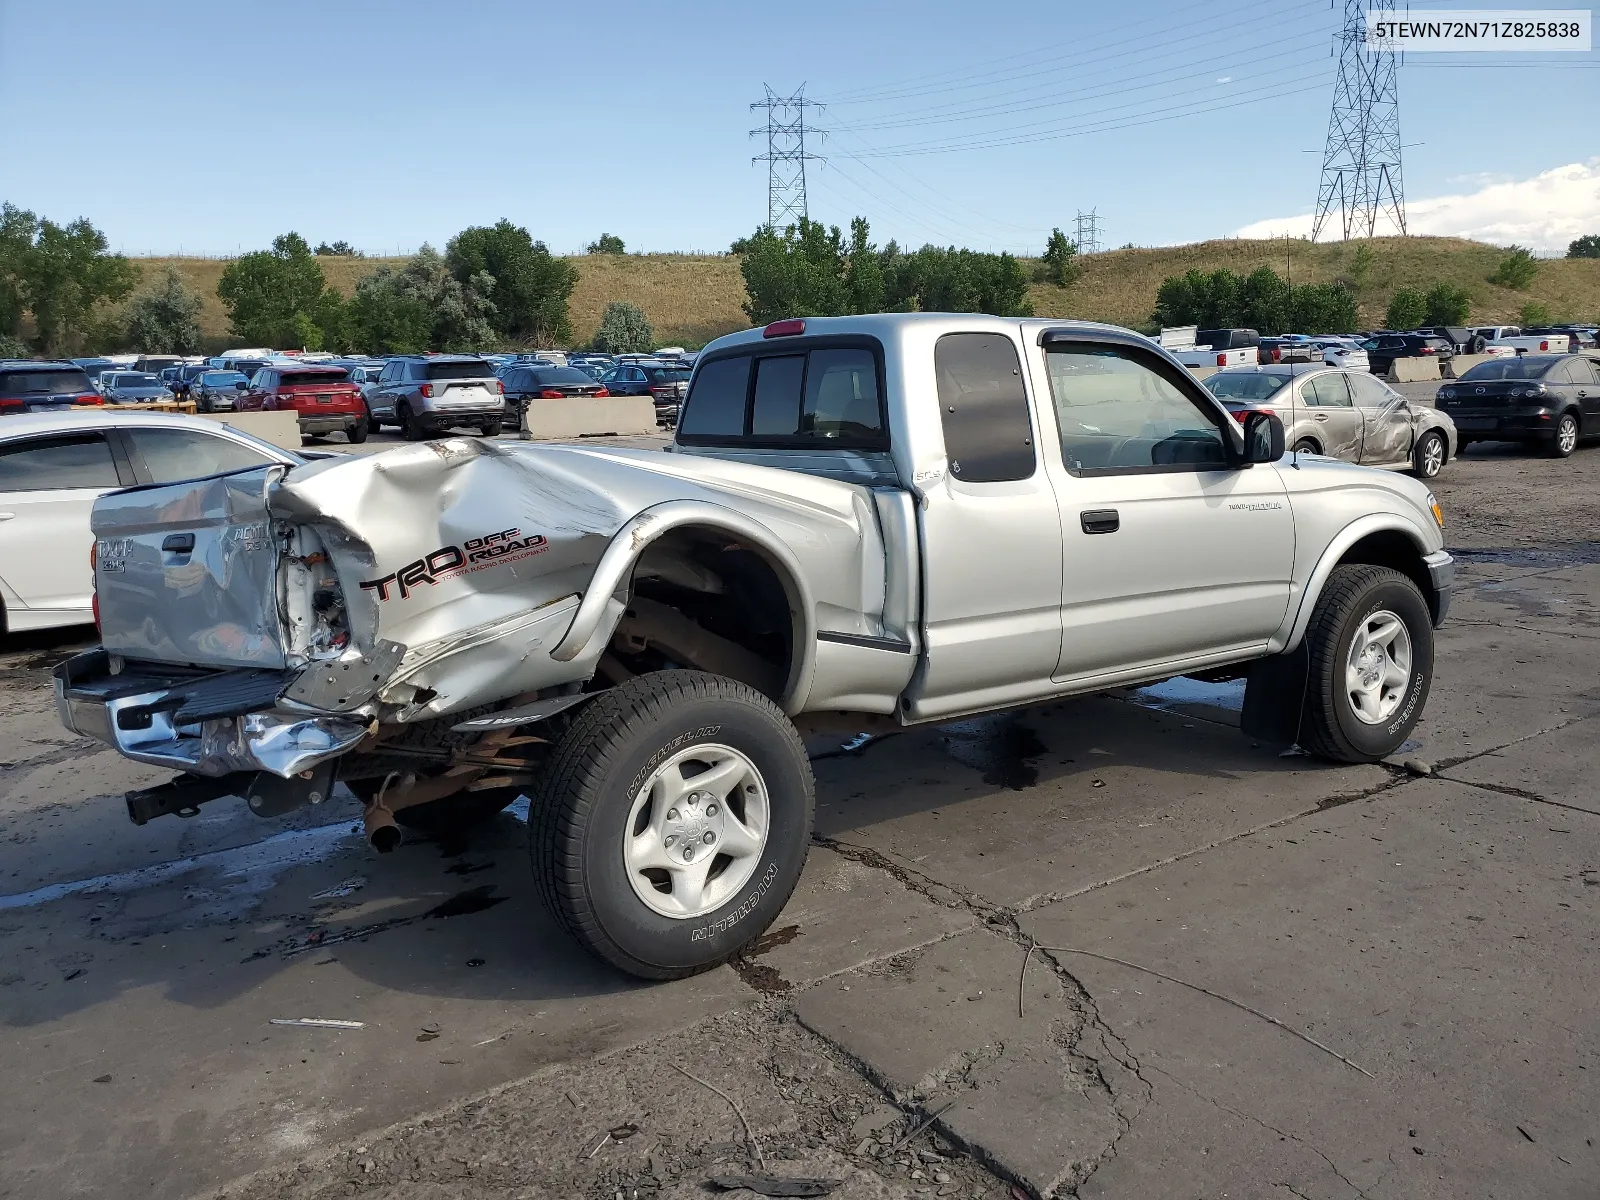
{"points": [[709, 838], [711, 810], [688, 853], [671, 837], [672, 814]]}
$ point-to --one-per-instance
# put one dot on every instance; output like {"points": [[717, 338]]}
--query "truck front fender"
{"points": [[1303, 601], [600, 608]]}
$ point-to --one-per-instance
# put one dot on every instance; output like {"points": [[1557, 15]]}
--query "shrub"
{"points": [[1060, 264], [1587, 246], [606, 243], [624, 329], [1446, 304], [166, 318], [1517, 269], [528, 286], [1407, 309], [1534, 313]]}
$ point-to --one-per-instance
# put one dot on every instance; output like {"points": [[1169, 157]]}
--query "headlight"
{"points": [[1438, 512], [1447, 393]]}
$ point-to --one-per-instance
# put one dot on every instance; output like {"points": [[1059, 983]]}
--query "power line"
{"points": [[1361, 165], [786, 155]]}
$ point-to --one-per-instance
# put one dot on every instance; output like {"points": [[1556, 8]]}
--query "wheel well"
{"points": [[1317, 446], [701, 597], [1391, 548]]}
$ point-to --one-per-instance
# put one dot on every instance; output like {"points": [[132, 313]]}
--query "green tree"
{"points": [[165, 318], [1213, 300], [863, 271], [530, 287], [1446, 304], [1323, 308], [59, 273], [1408, 308], [1060, 264], [1587, 246], [799, 273], [421, 306], [606, 243], [947, 279], [1517, 269], [624, 329], [279, 298], [1361, 265], [1536, 314], [339, 250], [12, 347]]}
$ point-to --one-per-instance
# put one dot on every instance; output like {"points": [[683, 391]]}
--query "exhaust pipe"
{"points": [[383, 835]]}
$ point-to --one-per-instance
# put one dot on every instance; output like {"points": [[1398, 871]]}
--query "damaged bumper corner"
{"points": [[194, 723]]}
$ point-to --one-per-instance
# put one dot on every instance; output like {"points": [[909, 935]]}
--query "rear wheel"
{"points": [[357, 433], [1306, 446], [1565, 439], [671, 822], [1427, 459], [492, 429], [1370, 648], [410, 429]]}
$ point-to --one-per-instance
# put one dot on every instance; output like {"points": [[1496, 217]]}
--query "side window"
{"points": [[715, 407], [58, 463], [983, 408], [173, 455], [1326, 391], [1369, 391], [1585, 371], [1116, 413]]}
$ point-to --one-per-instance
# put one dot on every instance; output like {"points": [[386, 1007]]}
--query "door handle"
{"points": [[178, 543], [1319, 416], [1100, 520]]}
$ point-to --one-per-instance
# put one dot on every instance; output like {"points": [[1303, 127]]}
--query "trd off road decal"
{"points": [[449, 562]]}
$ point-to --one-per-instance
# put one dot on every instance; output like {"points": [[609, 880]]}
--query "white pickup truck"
{"points": [[863, 524], [1196, 347], [1498, 339]]}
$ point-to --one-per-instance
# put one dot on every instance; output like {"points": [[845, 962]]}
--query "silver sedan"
{"points": [[1351, 415]]}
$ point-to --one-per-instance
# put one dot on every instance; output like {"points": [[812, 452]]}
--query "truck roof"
{"points": [[886, 325]]}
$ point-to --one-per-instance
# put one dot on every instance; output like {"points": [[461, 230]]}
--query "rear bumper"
{"points": [[328, 422], [1442, 574], [210, 724], [1513, 426], [444, 418]]}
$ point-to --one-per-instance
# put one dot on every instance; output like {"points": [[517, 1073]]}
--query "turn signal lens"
{"points": [[1438, 513]]}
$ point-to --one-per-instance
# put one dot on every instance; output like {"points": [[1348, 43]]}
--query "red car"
{"points": [[323, 396]]}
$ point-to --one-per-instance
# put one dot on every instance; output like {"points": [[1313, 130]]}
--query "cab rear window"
{"points": [[791, 395]]}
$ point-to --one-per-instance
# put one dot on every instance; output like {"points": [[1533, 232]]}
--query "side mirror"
{"points": [[1263, 438], [241, 387]]}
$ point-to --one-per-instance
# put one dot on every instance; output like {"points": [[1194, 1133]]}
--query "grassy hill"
{"points": [[691, 299]]}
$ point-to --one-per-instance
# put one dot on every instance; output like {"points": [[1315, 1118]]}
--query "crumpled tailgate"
{"points": [[187, 572]]}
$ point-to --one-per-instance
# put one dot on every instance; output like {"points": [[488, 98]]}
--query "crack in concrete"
{"points": [[1282, 1133], [1587, 637], [1519, 794], [1449, 763]]}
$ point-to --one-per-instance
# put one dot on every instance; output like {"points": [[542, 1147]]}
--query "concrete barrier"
{"points": [[1203, 372], [1462, 363], [580, 417], [1413, 370], [282, 429]]}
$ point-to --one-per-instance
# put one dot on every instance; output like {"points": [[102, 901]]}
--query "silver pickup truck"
{"points": [[863, 524]]}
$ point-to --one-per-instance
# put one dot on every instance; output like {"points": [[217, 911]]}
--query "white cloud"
{"points": [[1545, 212], [1224, 78]]}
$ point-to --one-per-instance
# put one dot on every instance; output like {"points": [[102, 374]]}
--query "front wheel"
{"points": [[671, 822], [1427, 459], [1370, 649], [1565, 439]]}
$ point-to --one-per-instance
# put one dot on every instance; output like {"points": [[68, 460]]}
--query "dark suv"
{"points": [[1550, 400], [1383, 348], [32, 386], [426, 394]]}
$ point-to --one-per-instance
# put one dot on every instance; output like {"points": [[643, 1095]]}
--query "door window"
{"points": [[173, 455], [1584, 371], [58, 463], [1370, 392], [1326, 391], [1116, 413], [983, 407]]}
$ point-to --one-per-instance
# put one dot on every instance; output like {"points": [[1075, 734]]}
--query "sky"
{"points": [[210, 126]]}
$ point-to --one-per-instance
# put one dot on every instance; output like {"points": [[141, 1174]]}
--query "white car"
{"points": [[54, 465], [1343, 352]]}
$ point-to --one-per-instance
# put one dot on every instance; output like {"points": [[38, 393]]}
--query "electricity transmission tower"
{"points": [[1088, 238], [1361, 164], [786, 155]]}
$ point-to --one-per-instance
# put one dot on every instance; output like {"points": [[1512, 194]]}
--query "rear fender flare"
{"points": [[1293, 630], [599, 610]]}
